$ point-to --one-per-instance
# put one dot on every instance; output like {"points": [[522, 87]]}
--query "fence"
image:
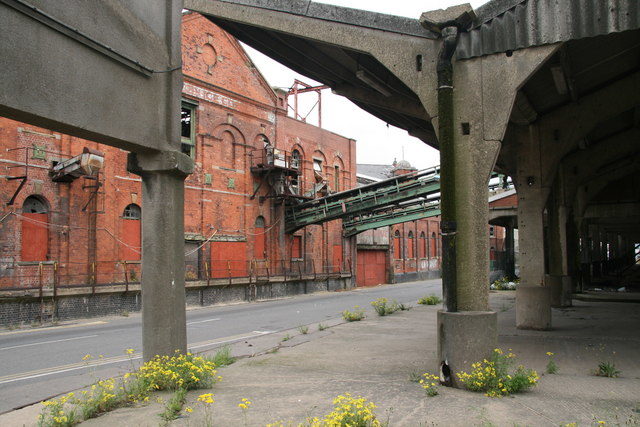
{"points": [[52, 275]]}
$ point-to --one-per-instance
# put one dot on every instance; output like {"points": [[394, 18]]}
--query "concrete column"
{"points": [[509, 245], [163, 292], [558, 278], [533, 298]]}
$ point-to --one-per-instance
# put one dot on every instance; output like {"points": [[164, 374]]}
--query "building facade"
{"points": [[413, 250], [70, 221]]}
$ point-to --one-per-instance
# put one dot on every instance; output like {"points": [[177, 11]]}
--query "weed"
{"points": [[430, 300], [429, 383], [222, 357], [174, 405], [404, 307], [493, 378], [303, 329], [552, 368], [383, 307], [353, 316], [124, 313], [286, 338], [179, 372], [414, 377], [607, 369], [206, 400], [347, 411], [504, 284], [322, 327]]}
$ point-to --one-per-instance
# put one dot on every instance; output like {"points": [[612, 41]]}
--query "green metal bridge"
{"points": [[399, 199]]}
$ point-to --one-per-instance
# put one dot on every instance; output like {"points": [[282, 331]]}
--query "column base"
{"points": [[533, 307], [561, 290], [464, 338]]}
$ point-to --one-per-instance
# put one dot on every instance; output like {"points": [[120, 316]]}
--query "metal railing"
{"points": [[53, 276]]}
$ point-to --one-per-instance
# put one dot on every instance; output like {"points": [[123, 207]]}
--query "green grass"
{"points": [[222, 357], [430, 300]]}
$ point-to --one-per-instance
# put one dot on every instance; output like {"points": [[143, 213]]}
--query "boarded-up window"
{"points": [[410, 247], [260, 246], [35, 232], [397, 245], [422, 246], [337, 258], [131, 236], [228, 259], [434, 246], [296, 247]]}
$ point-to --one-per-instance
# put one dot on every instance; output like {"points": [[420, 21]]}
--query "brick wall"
{"points": [[235, 111]]}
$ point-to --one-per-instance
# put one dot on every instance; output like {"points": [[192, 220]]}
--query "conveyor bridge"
{"points": [[399, 199]]}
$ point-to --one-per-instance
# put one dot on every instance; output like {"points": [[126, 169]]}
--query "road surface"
{"points": [[36, 364]]}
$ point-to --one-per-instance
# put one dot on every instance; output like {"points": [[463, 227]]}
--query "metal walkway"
{"points": [[392, 201]]}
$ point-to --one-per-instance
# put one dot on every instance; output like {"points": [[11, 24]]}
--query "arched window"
{"points": [[336, 178], [410, 247], [132, 211], [131, 235], [397, 245], [422, 246], [35, 231], [260, 247], [296, 163], [296, 159]]}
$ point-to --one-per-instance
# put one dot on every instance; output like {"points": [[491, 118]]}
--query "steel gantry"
{"points": [[392, 201]]}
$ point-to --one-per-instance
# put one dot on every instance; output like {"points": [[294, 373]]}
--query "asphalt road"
{"points": [[36, 364]]}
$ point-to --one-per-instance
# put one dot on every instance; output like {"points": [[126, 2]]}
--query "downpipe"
{"points": [[448, 225]]}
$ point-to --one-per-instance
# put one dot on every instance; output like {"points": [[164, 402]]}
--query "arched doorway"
{"points": [[35, 230]]}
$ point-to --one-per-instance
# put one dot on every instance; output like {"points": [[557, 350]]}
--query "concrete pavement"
{"points": [[375, 358]]}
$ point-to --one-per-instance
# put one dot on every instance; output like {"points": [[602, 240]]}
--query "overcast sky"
{"points": [[377, 142]]}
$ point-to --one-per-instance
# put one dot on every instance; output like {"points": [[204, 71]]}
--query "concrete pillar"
{"points": [[533, 298], [558, 278], [163, 292], [509, 245]]}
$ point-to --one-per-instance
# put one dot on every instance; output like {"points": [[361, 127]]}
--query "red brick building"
{"points": [[84, 228], [412, 250]]}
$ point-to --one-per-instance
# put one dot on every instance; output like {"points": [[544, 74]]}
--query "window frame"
{"points": [[191, 141]]}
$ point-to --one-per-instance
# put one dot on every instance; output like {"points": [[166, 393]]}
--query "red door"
{"points": [[131, 236], [371, 268], [35, 237], [337, 258], [228, 259]]}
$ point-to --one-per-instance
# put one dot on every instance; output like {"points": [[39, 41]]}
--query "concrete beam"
{"points": [[92, 69]]}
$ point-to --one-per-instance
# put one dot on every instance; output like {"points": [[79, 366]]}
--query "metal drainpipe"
{"points": [[448, 225]]}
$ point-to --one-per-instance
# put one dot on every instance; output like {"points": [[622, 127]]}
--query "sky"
{"points": [[377, 143]]}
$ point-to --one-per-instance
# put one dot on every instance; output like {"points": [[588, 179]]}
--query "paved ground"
{"points": [[41, 362], [375, 358]]}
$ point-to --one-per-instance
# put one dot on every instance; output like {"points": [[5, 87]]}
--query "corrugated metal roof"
{"points": [[521, 24]]}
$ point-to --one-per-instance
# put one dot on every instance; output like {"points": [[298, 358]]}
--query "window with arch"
{"points": [[132, 211], [397, 245], [296, 159], [336, 177], [422, 246], [260, 246], [35, 230], [410, 247], [131, 233]]}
